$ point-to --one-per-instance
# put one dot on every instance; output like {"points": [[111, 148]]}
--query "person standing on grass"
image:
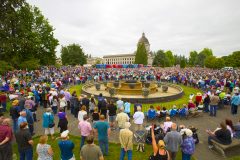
{"points": [[24, 142], [103, 130], [6, 135], [66, 146], [121, 118], [138, 118], [47, 120], [159, 151], [173, 140], [125, 138], [90, 151], [85, 129], [112, 111], [127, 108], [44, 150], [188, 144]]}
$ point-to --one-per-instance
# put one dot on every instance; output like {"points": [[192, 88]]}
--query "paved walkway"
{"points": [[202, 123]]}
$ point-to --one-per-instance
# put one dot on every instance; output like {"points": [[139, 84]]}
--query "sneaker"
{"points": [[210, 146]]}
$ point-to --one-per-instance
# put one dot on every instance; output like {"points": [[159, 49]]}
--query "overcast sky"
{"points": [[105, 27]]}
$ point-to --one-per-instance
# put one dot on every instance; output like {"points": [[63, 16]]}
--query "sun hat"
{"points": [[64, 134]]}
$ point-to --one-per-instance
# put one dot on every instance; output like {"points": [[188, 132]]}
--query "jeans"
{"points": [[122, 154], [104, 146], [26, 155], [82, 141], [234, 109], [206, 105], [15, 125], [213, 110], [186, 156]]}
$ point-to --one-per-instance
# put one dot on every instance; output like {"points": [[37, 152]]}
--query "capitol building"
{"points": [[129, 58]]}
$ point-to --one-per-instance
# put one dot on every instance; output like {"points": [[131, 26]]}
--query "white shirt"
{"points": [[81, 114], [167, 125], [138, 117]]}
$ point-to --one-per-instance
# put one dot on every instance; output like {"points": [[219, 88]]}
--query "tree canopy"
{"points": [[73, 55], [141, 56], [25, 35]]}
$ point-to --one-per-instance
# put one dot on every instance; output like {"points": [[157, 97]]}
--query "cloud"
{"points": [[114, 26]]}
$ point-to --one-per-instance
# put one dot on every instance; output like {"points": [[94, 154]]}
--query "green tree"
{"points": [[233, 60], [159, 59], [73, 55], [193, 58], [141, 56], [183, 63], [4, 67], [169, 59], [25, 34], [210, 62]]}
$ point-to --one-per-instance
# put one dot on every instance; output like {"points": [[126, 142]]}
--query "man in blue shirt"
{"points": [[234, 103], [103, 130], [66, 146]]}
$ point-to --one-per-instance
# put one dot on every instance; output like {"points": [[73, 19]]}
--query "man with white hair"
{"points": [[125, 138], [6, 135], [138, 118], [121, 118], [119, 103]]}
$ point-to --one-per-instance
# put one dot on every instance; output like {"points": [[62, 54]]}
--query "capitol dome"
{"points": [[143, 39]]}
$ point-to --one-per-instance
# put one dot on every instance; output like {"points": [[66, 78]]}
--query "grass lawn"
{"points": [[178, 102], [234, 158], [114, 150]]}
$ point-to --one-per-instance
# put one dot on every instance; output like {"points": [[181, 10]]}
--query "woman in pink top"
{"points": [[167, 125]]}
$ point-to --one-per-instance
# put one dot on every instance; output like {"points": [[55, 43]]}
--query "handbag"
{"points": [[52, 124]]}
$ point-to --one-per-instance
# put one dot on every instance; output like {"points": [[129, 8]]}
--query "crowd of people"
{"points": [[47, 87]]}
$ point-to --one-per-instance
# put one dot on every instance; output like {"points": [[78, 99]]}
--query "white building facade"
{"points": [[129, 58]]}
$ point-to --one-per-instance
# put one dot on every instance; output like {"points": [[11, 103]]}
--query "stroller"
{"points": [[140, 139]]}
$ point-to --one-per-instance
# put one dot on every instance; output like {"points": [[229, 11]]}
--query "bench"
{"points": [[222, 148]]}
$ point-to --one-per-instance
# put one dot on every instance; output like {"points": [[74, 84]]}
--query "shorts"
{"points": [[49, 131], [112, 118]]}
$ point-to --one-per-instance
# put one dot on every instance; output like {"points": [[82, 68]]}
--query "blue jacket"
{"points": [[48, 118], [151, 113], [235, 100]]}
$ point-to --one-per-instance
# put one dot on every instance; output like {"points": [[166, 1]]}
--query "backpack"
{"points": [[140, 147]]}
